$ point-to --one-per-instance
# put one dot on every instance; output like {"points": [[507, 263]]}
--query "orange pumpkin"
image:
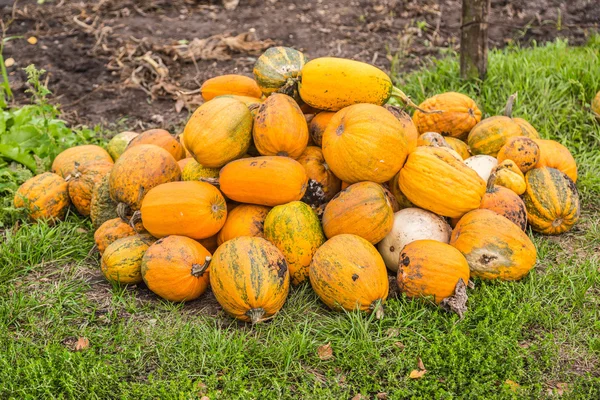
{"points": [[364, 142], [244, 220], [348, 273], [122, 260], [183, 162], [363, 209], [488, 136], [318, 124], [196, 172], [64, 163], [505, 202], [432, 139], [111, 231], [525, 152], [527, 129], [160, 138], [249, 278], [507, 174], [555, 155], [494, 247], [176, 268], [45, 196], [229, 84], [459, 114], [431, 268], [193, 209], [459, 146], [322, 182], [408, 126], [102, 207], [118, 144], [82, 181]]}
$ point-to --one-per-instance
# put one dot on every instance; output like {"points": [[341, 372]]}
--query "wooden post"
{"points": [[473, 39]]}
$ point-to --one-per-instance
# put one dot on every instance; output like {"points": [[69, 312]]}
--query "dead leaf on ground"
{"points": [[359, 397], [420, 364], [32, 40], [325, 352], [399, 345], [416, 374], [9, 62], [81, 344], [381, 396], [230, 4], [561, 388], [392, 332], [514, 386], [458, 302]]}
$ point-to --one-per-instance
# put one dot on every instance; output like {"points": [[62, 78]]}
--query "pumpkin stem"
{"points": [[122, 211], [212, 181], [403, 98], [253, 107], [508, 109], [289, 88], [135, 219], [491, 182], [256, 315], [377, 308], [199, 270]]}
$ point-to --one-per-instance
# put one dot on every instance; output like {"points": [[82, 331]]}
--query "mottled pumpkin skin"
{"points": [[193, 171], [249, 278], [348, 273], [45, 196], [552, 201], [489, 135], [527, 129], [111, 231], [64, 163], [555, 155], [280, 128], [138, 170], [459, 146], [507, 174], [160, 138], [102, 207], [119, 143], [429, 268], [229, 84], [494, 247], [330, 83], [408, 126], [507, 203], [317, 126], [267, 181], [322, 182], [436, 180], [183, 162], [296, 231], [459, 115], [219, 131], [364, 142], [82, 181], [277, 67], [401, 199], [244, 220], [122, 260], [432, 139], [362, 209], [176, 268], [193, 209], [525, 152]]}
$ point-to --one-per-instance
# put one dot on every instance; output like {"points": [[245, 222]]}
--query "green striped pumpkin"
{"points": [[102, 207], [278, 68]]}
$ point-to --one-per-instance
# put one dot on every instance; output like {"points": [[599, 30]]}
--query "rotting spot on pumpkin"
{"points": [[281, 268], [486, 259], [354, 277], [405, 260], [339, 130], [392, 249]]}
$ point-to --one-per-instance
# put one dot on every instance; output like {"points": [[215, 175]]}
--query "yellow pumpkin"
{"points": [[317, 126], [408, 126], [244, 220], [401, 200], [322, 182], [65, 161], [507, 174], [122, 260], [45, 196], [489, 135], [555, 155], [527, 129], [432, 139], [459, 146], [525, 152], [459, 114], [229, 84], [193, 171]]}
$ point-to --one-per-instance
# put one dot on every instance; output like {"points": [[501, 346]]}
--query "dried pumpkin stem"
{"points": [[402, 97], [212, 181], [491, 182], [135, 219], [200, 269], [122, 211], [256, 315], [508, 109], [253, 107]]}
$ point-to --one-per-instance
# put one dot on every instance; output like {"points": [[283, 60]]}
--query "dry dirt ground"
{"points": [[143, 60]]}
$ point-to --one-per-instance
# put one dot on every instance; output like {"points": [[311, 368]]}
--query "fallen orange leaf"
{"points": [[416, 374], [82, 344], [325, 352]]}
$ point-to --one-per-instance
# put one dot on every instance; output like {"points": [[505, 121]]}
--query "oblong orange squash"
{"points": [[348, 273], [267, 180], [525, 152], [489, 135], [494, 247], [507, 174], [459, 146], [111, 231], [229, 84], [435, 180], [296, 231], [193, 209], [138, 170], [364, 142], [117, 145], [193, 171], [505, 202], [122, 260], [219, 131], [459, 115], [555, 155], [244, 220], [322, 182], [552, 201], [102, 207], [82, 181], [362, 209], [45, 196], [431, 268], [64, 163], [249, 278], [160, 138], [280, 128], [318, 124], [176, 268]]}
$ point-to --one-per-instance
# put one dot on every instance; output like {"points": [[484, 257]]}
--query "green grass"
{"points": [[541, 333]]}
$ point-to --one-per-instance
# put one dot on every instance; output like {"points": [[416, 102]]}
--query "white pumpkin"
{"points": [[482, 164], [411, 224]]}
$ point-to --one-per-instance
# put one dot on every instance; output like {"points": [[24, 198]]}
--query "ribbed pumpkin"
{"points": [[277, 69], [138, 170], [102, 207], [280, 128], [435, 180], [296, 231], [117, 145], [361, 209], [244, 220], [249, 278], [122, 259], [111, 231], [64, 163], [459, 146], [525, 152], [596, 106], [400, 197], [317, 126], [219, 131], [82, 181], [494, 247], [160, 138], [229, 84], [45, 196], [505, 202], [364, 142], [408, 126], [267, 181], [193, 209], [507, 174], [552, 201], [429, 268], [489, 135], [322, 182], [555, 155], [527, 129], [193, 171], [176, 268], [459, 115], [432, 139], [348, 273]]}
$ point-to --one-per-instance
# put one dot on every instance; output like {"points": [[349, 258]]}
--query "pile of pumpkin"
{"points": [[306, 174]]}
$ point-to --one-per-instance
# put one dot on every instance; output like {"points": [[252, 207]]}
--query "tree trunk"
{"points": [[473, 39]]}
